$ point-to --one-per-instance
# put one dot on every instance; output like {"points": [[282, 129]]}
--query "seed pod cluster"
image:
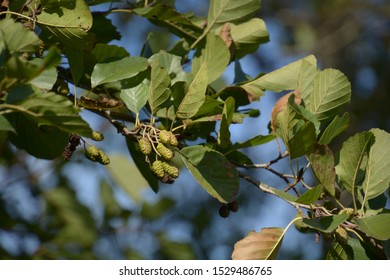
{"points": [[158, 148], [93, 153], [224, 209]]}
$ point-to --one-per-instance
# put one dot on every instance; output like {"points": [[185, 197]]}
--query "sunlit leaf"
{"points": [[172, 64], [215, 55], [195, 96], [353, 250], [136, 97], [331, 92], [212, 171], [310, 196], [353, 156], [302, 141], [17, 38], [158, 88], [118, 70], [248, 36], [377, 179], [68, 21], [338, 125], [5, 125], [326, 224], [255, 141], [263, 245], [227, 116], [376, 226]]}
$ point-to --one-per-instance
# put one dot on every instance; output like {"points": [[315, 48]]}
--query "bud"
{"points": [[164, 151], [145, 146], [97, 136]]}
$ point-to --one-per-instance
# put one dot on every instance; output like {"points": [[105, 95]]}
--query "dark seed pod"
{"points": [[97, 136], [224, 211], [145, 146], [233, 206], [74, 140], [165, 152]]}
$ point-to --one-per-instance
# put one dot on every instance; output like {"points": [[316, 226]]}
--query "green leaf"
{"points": [[195, 96], [288, 77], [69, 22], [46, 142], [74, 221], [5, 125], [17, 38], [221, 11], [376, 226], [154, 211], [172, 64], [212, 171], [331, 92], [352, 160], [103, 28], [302, 141], [118, 70], [338, 125], [248, 36], [46, 79], [377, 179], [76, 63], [353, 250], [142, 165], [263, 245], [326, 224], [166, 16], [322, 162], [227, 115], [215, 55], [108, 53], [51, 109], [127, 176], [135, 98], [255, 141], [158, 88], [310, 196]]}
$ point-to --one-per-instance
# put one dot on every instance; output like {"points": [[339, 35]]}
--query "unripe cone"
{"points": [[158, 168], [103, 158], [92, 153], [145, 146], [164, 136], [97, 136], [170, 169], [164, 151], [173, 140]]}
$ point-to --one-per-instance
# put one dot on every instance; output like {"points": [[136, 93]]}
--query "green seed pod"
{"points": [[158, 169], [341, 235], [97, 136], [170, 169], [145, 146], [173, 140], [103, 158], [164, 136], [92, 153], [164, 151]]}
